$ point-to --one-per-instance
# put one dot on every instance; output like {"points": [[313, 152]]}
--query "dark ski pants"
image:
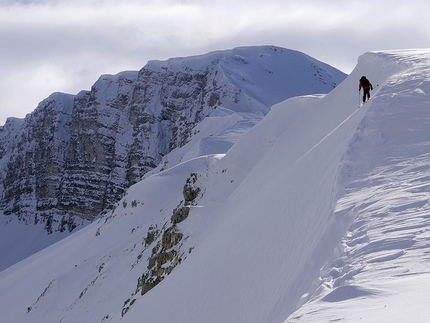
{"points": [[366, 92]]}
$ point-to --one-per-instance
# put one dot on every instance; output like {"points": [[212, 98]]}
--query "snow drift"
{"points": [[321, 206]]}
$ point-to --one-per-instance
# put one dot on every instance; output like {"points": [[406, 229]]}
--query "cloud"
{"points": [[66, 45]]}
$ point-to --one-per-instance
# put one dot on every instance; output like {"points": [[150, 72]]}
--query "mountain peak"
{"points": [[75, 156]]}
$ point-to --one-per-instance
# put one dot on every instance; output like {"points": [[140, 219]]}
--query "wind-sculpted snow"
{"points": [[76, 155], [384, 178], [319, 213]]}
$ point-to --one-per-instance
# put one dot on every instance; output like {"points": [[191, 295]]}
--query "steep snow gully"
{"points": [[320, 213]]}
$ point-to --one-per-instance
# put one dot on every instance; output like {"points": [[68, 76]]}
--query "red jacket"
{"points": [[365, 84]]}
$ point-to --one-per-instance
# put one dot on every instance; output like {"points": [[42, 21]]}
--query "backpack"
{"points": [[365, 83]]}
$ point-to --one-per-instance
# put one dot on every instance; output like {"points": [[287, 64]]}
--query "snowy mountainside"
{"points": [[382, 265], [75, 155], [319, 207]]}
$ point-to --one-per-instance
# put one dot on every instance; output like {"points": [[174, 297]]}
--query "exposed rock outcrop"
{"points": [[75, 155], [167, 251]]}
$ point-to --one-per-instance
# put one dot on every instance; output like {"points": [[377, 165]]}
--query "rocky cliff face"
{"points": [[75, 155]]}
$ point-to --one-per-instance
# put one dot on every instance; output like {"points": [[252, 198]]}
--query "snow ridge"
{"points": [[385, 253]]}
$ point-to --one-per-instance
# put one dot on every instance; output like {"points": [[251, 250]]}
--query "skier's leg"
{"points": [[366, 95]]}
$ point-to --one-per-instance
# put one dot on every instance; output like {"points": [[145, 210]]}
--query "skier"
{"points": [[367, 86]]}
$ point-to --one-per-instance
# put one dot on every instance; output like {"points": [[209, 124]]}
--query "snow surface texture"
{"points": [[381, 270], [320, 213]]}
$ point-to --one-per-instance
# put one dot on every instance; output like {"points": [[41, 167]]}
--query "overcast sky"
{"points": [[60, 45]]}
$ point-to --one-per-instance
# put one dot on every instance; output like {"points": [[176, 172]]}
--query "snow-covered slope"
{"points": [[318, 183], [381, 270], [75, 155]]}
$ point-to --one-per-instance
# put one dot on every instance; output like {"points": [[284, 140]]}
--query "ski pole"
{"points": [[359, 97]]}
